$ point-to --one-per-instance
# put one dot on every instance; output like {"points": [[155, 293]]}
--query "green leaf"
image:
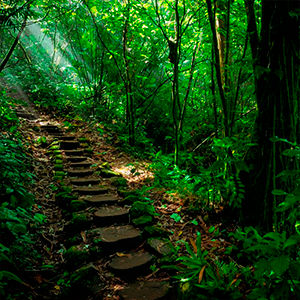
{"points": [[280, 264], [279, 192], [291, 241], [297, 227], [291, 152], [274, 236], [10, 276], [16, 227], [241, 166], [175, 217]]}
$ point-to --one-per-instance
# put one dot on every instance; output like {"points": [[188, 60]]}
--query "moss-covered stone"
{"points": [[161, 246], [58, 178], [85, 281], [78, 205], [79, 222], [82, 139], [88, 150], [54, 147], [84, 145], [108, 173], [154, 231], [58, 167], [64, 199], [76, 255], [60, 173], [74, 240], [118, 182], [105, 166], [142, 220], [58, 161], [57, 152]]}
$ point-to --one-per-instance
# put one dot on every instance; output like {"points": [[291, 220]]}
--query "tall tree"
{"points": [[276, 55]]}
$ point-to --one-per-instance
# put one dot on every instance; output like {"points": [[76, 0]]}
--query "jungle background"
{"points": [[206, 91]]}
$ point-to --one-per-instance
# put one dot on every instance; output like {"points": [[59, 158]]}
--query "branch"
{"points": [[214, 133]]}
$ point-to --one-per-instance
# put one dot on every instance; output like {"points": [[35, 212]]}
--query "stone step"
{"points": [[75, 158], [90, 190], [69, 145], [85, 181], [132, 264], [79, 173], [84, 164], [101, 200], [25, 115], [161, 246], [146, 290], [74, 152], [52, 129], [109, 215], [116, 238], [65, 137]]}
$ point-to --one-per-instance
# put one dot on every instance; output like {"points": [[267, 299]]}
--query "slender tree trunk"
{"points": [[13, 46], [218, 68], [277, 91]]}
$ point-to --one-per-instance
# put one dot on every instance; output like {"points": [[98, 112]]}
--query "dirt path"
{"points": [[90, 248]]}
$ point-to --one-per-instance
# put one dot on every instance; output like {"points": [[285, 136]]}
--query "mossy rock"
{"points": [[154, 231], [76, 255], [119, 182], [83, 139], [85, 281], [64, 199], [105, 166], [124, 193], [55, 147], [59, 173], [79, 222], [140, 208], [108, 173], [88, 150], [142, 220], [84, 145], [58, 167], [66, 189], [78, 205], [58, 178], [58, 161], [57, 152], [74, 240], [161, 246]]}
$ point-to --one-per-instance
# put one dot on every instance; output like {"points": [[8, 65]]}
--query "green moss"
{"points": [[143, 220], [118, 182], [59, 173], [84, 145], [76, 256], [152, 231], [55, 147], [58, 161], [108, 173], [88, 150], [77, 205], [79, 222], [58, 167], [82, 139]]}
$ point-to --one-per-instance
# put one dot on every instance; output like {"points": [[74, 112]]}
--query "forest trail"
{"points": [[105, 256]]}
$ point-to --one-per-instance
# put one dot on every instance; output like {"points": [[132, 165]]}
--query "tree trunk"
{"points": [[278, 94]]}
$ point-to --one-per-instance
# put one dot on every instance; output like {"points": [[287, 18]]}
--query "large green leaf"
{"points": [[16, 227], [280, 264]]}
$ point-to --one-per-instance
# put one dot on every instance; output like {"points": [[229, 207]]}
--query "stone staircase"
{"points": [[98, 225]]}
